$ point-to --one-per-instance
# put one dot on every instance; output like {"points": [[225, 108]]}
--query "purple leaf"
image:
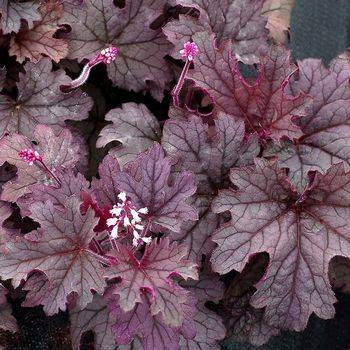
{"points": [[104, 191], [197, 234], [249, 324], [59, 249], [57, 151], [95, 317], [209, 329], [301, 232], [326, 127], [13, 12], [238, 20], [141, 49], [264, 105], [134, 127], [146, 181], [41, 102], [150, 329], [71, 184], [153, 273], [35, 41], [245, 322], [209, 326], [209, 153]]}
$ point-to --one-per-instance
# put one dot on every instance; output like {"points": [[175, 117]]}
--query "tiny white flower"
{"points": [[135, 215], [143, 211], [114, 233], [112, 221], [116, 211], [136, 238], [147, 240], [122, 196], [126, 221], [139, 227]]}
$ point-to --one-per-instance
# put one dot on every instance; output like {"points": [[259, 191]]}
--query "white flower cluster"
{"points": [[125, 215]]}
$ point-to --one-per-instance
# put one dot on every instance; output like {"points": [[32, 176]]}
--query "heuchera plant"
{"points": [[227, 214]]}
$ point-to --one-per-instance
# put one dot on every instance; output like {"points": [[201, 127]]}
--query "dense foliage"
{"points": [[156, 193]]}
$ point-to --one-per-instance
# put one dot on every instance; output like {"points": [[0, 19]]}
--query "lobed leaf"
{"points": [[147, 181], [264, 105], [57, 151], [95, 317], [141, 49], [326, 127], [34, 41], [152, 331], [301, 232], [153, 273], [59, 249], [41, 102], [236, 20], [13, 12], [134, 126]]}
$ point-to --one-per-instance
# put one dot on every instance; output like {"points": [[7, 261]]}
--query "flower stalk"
{"points": [[106, 56], [31, 157], [189, 52]]}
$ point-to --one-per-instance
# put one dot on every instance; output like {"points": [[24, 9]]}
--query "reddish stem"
{"points": [[50, 173], [177, 89]]}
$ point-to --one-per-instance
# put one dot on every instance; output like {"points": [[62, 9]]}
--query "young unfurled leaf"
{"points": [[59, 249], [141, 49], [41, 102], [34, 41], [301, 232], [13, 12], [134, 126], [56, 151], [238, 20], [147, 181], [153, 273], [264, 105]]}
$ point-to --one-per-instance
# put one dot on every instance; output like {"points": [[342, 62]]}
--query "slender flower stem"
{"points": [[100, 258], [177, 89], [114, 244], [189, 52], [105, 56], [97, 246], [51, 173], [31, 157]]}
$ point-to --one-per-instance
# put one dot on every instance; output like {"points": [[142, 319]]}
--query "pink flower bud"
{"points": [[109, 54], [30, 156], [189, 51], [106, 56]]}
